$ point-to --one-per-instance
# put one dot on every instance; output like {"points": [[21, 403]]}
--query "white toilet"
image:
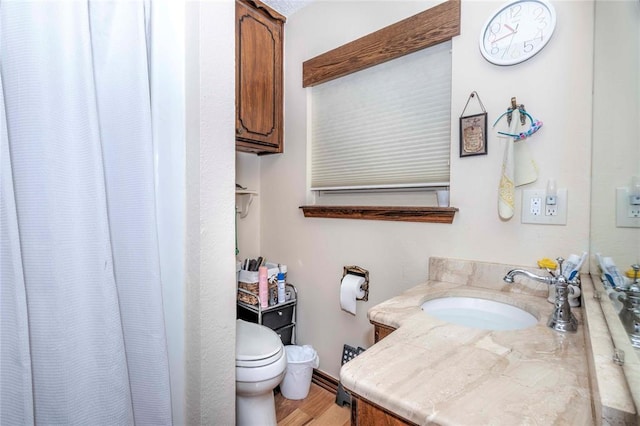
{"points": [[261, 362]]}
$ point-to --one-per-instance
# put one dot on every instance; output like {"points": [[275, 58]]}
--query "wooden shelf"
{"points": [[394, 213]]}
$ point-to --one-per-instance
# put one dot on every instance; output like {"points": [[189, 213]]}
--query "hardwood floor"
{"points": [[319, 408]]}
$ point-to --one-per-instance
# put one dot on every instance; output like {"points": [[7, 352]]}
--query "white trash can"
{"points": [[301, 360]]}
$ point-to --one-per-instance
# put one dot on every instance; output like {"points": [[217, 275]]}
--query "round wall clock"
{"points": [[517, 31]]}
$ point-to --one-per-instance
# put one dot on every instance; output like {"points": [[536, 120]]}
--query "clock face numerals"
{"points": [[517, 31]]}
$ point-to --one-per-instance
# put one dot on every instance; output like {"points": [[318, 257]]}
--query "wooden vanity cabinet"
{"points": [[380, 331], [259, 78], [364, 413]]}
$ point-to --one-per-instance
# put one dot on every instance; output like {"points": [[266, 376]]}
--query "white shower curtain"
{"points": [[82, 331]]}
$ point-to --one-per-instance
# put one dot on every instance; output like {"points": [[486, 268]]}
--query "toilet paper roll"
{"points": [[349, 291]]}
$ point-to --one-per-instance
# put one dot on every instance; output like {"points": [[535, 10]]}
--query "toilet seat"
{"points": [[255, 363], [260, 354], [256, 344], [263, 372]]}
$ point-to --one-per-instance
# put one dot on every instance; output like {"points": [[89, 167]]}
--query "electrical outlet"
{"points": [[535, 208], [532, 205], [627, 215]]}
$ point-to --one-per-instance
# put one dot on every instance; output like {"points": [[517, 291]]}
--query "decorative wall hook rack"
{"points": [[535, 124], [514, 106], [356, 270]]}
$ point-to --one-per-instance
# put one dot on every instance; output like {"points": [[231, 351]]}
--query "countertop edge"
{"points": [[614, 403]]}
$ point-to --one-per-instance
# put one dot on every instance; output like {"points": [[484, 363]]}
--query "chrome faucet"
{"points": [[512, 273], [562, 319], [630, 313]]}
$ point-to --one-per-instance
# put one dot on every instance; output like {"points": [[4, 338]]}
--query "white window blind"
{"points": [[388, 126]]}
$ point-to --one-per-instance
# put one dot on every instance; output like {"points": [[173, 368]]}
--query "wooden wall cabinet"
{"points": [[259, 79]]}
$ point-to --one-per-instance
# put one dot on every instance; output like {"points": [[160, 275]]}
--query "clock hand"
{"points": [[508, 47], [511, 41], [504, 36], [513, 31]]}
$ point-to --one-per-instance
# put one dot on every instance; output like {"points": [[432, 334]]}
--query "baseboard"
{"points": [[325, 381]]}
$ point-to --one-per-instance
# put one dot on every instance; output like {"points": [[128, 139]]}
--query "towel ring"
{"points": [[535, 125]]}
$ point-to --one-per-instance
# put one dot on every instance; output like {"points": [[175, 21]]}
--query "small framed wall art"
{"points": [[473, 131]]}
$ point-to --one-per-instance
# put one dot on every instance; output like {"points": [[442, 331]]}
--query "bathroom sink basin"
{"points": [[479, 313]]}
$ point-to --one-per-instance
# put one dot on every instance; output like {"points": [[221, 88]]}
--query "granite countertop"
{"points": [[432, 372]]}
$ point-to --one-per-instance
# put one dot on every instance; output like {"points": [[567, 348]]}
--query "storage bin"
{"points": [[278, 317], [248, 283]]}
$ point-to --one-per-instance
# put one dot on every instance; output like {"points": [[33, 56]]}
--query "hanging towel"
{"points": [[506, 189], [526, 170]]}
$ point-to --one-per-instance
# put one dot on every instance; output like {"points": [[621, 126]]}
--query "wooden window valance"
{"points": [[433, 26]]}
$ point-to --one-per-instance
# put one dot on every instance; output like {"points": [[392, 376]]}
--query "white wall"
{"points": [[210, 169], [555, 86], [248, 175]]}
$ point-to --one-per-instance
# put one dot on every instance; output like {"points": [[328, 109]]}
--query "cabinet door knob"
{"points": [[279, 313], [239, 130]]}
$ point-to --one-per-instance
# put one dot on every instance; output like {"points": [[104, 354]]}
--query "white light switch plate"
{"points": [[535, 210], [624, 212]]}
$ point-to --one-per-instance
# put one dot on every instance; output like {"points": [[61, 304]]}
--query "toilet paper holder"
{"points": [[356, 270]]}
